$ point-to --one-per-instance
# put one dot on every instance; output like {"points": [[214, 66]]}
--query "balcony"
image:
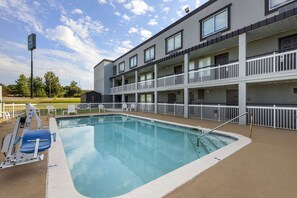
{"points": [[129, 87], [284, 63], [170, 80], [148, 84], [230, 70], [276, 62]]}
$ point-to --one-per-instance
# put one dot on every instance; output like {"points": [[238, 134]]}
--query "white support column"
{"points": [[186, 68], [123, 82], [242, 54], [155, 85], [242, 74], [186, 89], [136, 79], [156, 101], [242, 101], [136, 93], [186, 102]]}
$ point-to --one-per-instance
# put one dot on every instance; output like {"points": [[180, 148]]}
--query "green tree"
{"points": [[12, 90], [73, 90], [52, 84], [5, 90], [39, 87], [22, 86]]}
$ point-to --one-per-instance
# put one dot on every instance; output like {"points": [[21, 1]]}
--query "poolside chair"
{"points": [[71, 109], [101, 108], [30, 143], [51, 109], [6, 116], [132, 107], [125, 107]]}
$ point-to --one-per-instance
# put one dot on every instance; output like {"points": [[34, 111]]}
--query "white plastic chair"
{"points": [[101, 108], [125, 107], [132, 107], [51, 109], [6, 115], [71, 109]]}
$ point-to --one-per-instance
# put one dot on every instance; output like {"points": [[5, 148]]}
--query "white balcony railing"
{"points": [[214, 73], [213, 112], [170, 80], [276, 117], [171, 109], [275, 62], [129, 87], [116, 89], [146, 107], [148, 84]]}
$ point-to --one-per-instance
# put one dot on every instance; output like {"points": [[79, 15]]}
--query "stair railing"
{"points": [[227, 122]]}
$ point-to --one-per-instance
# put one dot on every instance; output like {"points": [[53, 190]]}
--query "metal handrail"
{"points": [[211, 130]]}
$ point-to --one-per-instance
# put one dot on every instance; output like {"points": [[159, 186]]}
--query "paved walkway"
{"points": [[265, 168]]}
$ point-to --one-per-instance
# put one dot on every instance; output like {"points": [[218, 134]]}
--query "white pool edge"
{"points": [[60, 183]]}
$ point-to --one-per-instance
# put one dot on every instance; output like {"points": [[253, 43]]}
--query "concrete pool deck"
{"points": [[264, 168]]}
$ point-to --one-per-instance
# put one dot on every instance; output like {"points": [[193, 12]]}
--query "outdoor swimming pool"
{"points": [[111, 155]]}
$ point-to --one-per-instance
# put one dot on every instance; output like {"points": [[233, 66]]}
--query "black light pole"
{"points": [[31, 47], [31, 73]]}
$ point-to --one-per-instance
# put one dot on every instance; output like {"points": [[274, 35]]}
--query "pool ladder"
{"points": [[227, 122]]}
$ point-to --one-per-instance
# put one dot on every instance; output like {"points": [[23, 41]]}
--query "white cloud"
{"points": [[82, 47], [139, 7], [77, 11], [58, 61], [84, 26], [117, 13], [145, 34], [181, 1], [167, 0], [198, 3], [121, 1], [152, 22], [102, 1], [133, 30], [124, 47], [126, 17], [179, 13], [166, 10], [19, 10]]}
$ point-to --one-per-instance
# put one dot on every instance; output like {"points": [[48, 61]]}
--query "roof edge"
{"points": [[102, 61]]}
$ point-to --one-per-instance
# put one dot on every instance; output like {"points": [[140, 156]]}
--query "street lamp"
{"points": [[31, 47]]}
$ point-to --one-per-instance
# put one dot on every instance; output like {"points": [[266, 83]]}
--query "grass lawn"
{"points": [[22, 100]]}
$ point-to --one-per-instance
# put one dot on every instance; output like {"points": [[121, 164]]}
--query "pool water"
{"points": [[114, 154]]}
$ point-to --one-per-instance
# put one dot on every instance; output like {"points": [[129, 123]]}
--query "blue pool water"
{"points": [[112, 155]]}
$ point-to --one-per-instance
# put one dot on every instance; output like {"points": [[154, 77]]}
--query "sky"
{"points": [[73, 36]]}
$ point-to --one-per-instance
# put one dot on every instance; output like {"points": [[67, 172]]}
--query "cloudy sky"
{"points": [[73, 36]]}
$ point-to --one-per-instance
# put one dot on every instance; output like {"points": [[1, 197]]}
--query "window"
{"points": [[133, 61], [214, 23], [203, 63], [114, 70], [294, 90], [272, 5], [277, 3], [146, 98], [122, 67], [174, 42], [149, 54], [191, 68]]}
